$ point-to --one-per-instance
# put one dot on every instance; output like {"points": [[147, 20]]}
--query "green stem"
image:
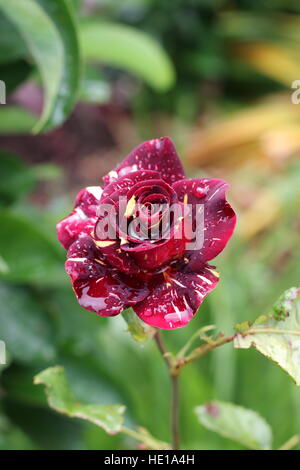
{"points": [[162, 349], [174, 390], [252, 331], [205, 348], [180, 362], [195, 336], [175, 412]]}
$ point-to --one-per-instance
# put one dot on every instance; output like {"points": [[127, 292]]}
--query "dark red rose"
{"points": [[144, 240]]}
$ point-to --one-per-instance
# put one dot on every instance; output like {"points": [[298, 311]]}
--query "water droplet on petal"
{"points": [[200, 192]]}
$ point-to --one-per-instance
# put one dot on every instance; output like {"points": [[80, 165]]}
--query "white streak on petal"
{"points": [[96, 191], [205, 279], [80, 260]]}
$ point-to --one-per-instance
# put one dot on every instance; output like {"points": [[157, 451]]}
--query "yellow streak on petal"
{"points": [[103, 244], [170, 279], [99, 261], [178, 283], [215, 273], [130, 207], [167, 277]]}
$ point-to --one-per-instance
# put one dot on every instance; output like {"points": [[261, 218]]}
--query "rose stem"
{"points": [[174, 391], [175, 412]]}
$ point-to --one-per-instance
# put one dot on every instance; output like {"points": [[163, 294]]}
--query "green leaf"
{"points": [[12, 438], [12, 46], [61, 398], [24, 326], [16, 178], [71, 320], [94, 87], [138, 329], [277, 336], [14, 73], [15, 120], [46, 172], [49, 31], [127, 48], [95, 91], [18, 385], [27, 253], [236, 423], [62, 14]]}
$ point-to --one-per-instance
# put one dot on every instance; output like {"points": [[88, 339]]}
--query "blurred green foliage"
{"points": [[40, 320]]}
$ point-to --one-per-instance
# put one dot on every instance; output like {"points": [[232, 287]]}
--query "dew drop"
{"points": [[200, 192]]}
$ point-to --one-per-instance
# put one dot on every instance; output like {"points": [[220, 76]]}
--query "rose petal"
{"points": [[123, 184], [88, 200], [105, 236], [98, 287], [152, 256], [157, 154], [174, 300], [82, 218], [138, 254], [219, 217], [85, 260], [119, 259], [76, 224]]}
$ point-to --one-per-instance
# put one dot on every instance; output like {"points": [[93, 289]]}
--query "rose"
{"points": [[144, 240]]}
